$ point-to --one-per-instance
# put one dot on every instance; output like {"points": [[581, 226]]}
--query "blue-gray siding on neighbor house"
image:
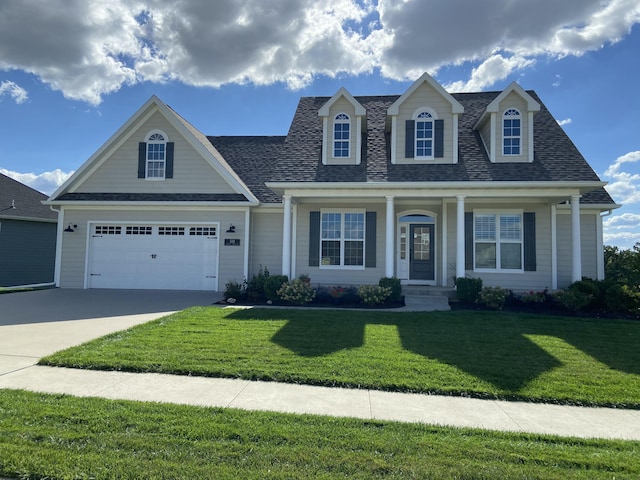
{"points": [[27, 252]]}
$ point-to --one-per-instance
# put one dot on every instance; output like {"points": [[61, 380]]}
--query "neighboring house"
{"points": [[426, 186], [27, 236]]}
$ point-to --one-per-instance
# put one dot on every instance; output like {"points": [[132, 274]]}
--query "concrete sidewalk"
{"points": [[340, 402], [35, 324]]}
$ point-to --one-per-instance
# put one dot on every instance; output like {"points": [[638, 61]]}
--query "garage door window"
{"points": [[135, 230], [203, 231], [108, 230], [170, 231]]}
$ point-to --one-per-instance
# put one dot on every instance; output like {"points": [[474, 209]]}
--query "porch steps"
{"points": [[427, 298]]}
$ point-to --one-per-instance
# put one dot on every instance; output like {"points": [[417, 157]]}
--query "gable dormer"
{"points": [[342, 124], [424, 124], [506, 126]]}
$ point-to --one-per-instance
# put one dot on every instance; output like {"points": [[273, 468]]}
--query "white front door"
{"points": [[162, 257]]}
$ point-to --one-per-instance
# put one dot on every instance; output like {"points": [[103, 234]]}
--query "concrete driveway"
{"points": [[38, 323]]}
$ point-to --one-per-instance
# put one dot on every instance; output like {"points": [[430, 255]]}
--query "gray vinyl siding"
{"points": [[588, 245], [538, 280], [119, 173], [74, 251], [485, 133], [342, 276], [27, 252], [266, 242], [425, 96]]}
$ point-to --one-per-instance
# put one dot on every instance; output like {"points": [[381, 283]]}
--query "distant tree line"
{"points": [[623, 266]]}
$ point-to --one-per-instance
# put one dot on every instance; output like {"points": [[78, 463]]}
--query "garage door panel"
{"points": [[154, 257]]}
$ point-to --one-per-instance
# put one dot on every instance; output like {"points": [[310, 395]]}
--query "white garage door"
{"points": [[167, 257]]}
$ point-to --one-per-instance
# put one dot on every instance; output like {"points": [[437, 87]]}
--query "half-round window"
{"points": [[341, 135]]}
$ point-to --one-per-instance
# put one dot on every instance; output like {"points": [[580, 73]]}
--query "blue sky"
{"points": [[73, 71]]}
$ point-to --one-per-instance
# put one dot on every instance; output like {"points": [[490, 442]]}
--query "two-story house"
{"points": [[425, 186]]}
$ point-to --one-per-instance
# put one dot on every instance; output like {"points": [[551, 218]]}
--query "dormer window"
{"points": [[511, 132], [424, 135], [341, 135]]}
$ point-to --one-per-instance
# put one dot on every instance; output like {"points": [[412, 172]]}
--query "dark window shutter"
{"points": [[314, 239], [438, 150], [529, 224], [142, 160], [410, 133], [370, 240], [468, 240], [168, 173]]}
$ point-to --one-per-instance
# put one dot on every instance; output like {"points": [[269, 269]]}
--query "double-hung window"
{"points": [[498, 239], [342, 236], [341, 135], [511, 134], [424, 135], [156, 156]]}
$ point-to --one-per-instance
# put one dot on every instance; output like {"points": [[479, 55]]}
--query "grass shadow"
{"points": [[313, 334], [503, 356]]}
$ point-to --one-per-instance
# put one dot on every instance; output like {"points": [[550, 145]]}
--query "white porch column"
{"points": [[460, 270], [576, 253], [286, 236], [390, 236]]}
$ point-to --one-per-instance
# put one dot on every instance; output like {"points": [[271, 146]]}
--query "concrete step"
{"points": [[423, 290], [426, 303]]}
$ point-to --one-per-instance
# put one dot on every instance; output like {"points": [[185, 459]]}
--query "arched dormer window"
{"points": [[511, 132], [424, 133], [155, 156], [341, 135]]}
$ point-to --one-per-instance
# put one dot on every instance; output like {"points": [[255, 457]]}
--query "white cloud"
{"points": [[47, 182], [624, 184], [564, 122], [106, 45], [622, 230], [14, 90]]}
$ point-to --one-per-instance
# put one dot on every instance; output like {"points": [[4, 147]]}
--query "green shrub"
{"points": [[272, 284], [468, 289], [621, 298], [396, 288], [572, 299], [493, 297], [297, 292], [255, 286], [374, 294], [235, 290], [595, 289]]}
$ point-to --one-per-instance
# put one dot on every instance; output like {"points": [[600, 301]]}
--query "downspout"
{"points": [[59, 232], [600, 266]]}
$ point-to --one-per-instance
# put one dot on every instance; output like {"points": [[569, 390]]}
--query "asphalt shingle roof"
{"points": [[27, 201], [556, 157]]}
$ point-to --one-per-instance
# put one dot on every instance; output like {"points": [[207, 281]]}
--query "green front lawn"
{"points": [[47, 436], [483, 354]]}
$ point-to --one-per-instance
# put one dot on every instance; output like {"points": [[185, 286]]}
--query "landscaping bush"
{"points": [[493, 297], [396, 288], [255, 286], [271, 286], [621, 298], [372, 295], [572, 299], [468, 289], [297, 292], [235, 290]]}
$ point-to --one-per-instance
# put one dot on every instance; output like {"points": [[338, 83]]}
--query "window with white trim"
{"points": [[511, 132], [342, 237], [341, 135], [424, 135], [498, 241], [156, 155]]}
